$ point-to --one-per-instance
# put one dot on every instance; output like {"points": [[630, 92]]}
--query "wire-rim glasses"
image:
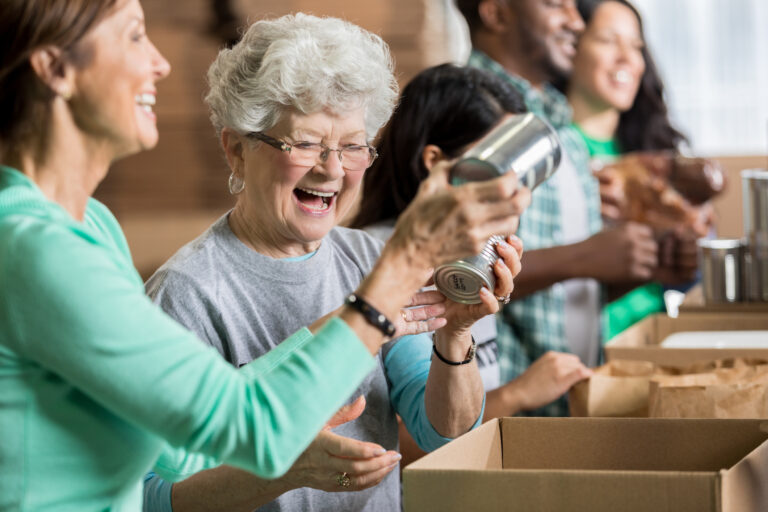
{"points": [[353, 157]]}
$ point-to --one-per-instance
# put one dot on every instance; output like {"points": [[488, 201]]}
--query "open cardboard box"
{"points": [[694, 303], [642, 340], [596, 465]]}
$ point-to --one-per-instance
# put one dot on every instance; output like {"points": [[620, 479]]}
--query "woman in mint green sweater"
{"points": [[94, 379]]}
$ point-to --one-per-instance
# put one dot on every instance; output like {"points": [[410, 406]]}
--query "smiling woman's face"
{"points": [[609, 64], [114, 84], [293, 206]]}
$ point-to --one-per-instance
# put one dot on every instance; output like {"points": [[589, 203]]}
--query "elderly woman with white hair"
{"points": [[296, 103]]}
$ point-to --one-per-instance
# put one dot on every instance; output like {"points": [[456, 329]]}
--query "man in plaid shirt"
{"points": [[557, 300]]}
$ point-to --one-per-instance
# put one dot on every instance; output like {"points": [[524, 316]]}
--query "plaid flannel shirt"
{"points": [[535, 324]]}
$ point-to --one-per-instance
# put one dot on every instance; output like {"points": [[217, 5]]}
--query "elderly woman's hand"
{"points": [[425, 313], [335, 463], [445, 223], [460, 317]]}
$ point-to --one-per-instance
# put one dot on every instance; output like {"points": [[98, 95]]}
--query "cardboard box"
{"points": [[642, 340], [694, 303], [596, 465]]}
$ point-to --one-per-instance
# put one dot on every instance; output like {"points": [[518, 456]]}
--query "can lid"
{"points": [[720, 243], [461, 282], [754, 174]]}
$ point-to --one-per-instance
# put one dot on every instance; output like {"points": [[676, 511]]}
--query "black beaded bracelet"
{"points": [[371, 315], [470, 355]]}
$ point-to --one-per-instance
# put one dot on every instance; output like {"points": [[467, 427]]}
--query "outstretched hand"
{"points": [[331, 455]]}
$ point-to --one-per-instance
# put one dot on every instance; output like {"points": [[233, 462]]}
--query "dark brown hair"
{"points": [[446, 105], [646, 125], [25, 26]]}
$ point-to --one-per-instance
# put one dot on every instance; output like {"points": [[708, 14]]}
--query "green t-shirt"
{"points": [[95, 379], [644, 300]]}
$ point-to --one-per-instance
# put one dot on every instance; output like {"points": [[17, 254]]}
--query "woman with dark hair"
{"points": [[615, 89], [618, 107], [442, 112], [94, 378]]}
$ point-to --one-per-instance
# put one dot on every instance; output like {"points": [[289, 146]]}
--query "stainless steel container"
{"points": [[754, 183], [524, 144], [721, 263], [755, 197], [756, 268]]}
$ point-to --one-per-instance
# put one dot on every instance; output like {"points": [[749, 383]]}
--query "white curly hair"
{"points": [[302, 62]]}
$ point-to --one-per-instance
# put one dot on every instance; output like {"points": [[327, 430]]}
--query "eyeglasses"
{"points": [[352, 157]]}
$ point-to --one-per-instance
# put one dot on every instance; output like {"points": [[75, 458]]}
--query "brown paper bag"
{"points": [[618, 389], [621, 388], [729, 393]]}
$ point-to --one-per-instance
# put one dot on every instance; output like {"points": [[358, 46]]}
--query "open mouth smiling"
{"points": [[315, 202]]}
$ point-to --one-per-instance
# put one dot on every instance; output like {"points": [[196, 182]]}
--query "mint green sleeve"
{"points": [[176, 464], [103, 336]]}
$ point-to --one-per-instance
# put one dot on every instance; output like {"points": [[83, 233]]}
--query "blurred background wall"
{"points": [[167, 196]]}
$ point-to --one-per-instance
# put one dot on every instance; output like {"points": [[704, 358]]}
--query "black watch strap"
{"points": [[470, 354]]}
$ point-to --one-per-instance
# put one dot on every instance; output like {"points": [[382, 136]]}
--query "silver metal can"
{"points": [[754, 183], [524, 144], [756, 267], [721, 262]]}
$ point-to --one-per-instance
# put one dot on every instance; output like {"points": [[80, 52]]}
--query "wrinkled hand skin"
{"points": [[330, 455]]}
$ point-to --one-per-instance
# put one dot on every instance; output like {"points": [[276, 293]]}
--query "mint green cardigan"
{"points": [[95, 380]]}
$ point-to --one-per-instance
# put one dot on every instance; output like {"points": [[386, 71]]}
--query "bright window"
{"points": [[713, 57]]}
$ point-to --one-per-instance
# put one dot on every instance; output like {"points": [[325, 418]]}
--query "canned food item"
{"points": [[524, 144], [755, 191], [721, 263], [461, 280], [756, 267]]}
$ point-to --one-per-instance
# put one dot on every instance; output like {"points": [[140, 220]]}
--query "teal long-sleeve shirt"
{"points": [[95, 380]]}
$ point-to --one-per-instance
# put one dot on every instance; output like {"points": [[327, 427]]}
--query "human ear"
{"points": [[232, 143], [495, 15], [52, 69], [430, 155]]}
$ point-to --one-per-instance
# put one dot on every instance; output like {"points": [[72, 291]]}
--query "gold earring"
{"points": [[66, 94]]}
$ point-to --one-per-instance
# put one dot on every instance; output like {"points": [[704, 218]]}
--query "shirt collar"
{"points": [[547, 102]]}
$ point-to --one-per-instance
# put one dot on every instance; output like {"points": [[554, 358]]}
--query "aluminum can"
{"points": [[754, 184], [722, 267], [524, 144]]}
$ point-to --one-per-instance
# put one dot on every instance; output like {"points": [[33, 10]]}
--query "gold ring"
{"points": [[343, 480]]}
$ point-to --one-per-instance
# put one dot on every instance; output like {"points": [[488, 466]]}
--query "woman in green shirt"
{"points": [[618, 107], [94, 379]]}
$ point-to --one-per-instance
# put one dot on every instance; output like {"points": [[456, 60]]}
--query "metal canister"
{"points": [[754, 183], [756, 267], [721, 264], [755, 193], [524, 144]]}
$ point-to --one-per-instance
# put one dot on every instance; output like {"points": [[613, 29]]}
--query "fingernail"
{"points": [[396, 457], [380, 451]]}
